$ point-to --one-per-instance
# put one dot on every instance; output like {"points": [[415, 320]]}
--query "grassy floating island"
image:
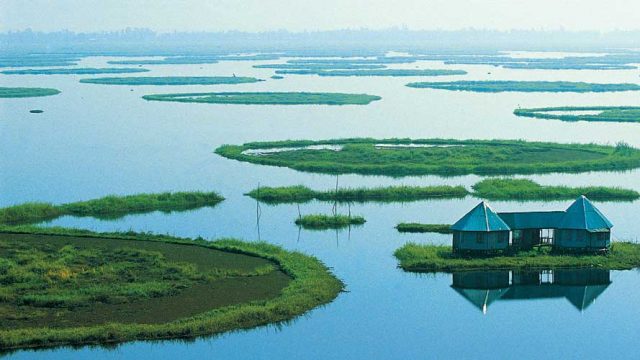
{"points": [[268, 98], [73, 287], [525, 86], [110, 207], [524, 189], [436, 258], [328, 66], [584, 113], [424, 228], [381, 72], [277, 77], [407, 157], [73, 71], [171, 80], [194, 59], [324, 222], [302, 194], [21, 92]]}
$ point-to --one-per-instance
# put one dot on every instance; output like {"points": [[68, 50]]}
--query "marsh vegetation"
{"points": [[73, 71], [405, 157], [268, 98], [381, 72], [171, 80], [302, 194], [525, 86], [584, 113], [436, 258], [323, 222], [23, 92]]}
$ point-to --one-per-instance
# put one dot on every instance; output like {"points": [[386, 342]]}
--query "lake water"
{"points": [[94, 140]]}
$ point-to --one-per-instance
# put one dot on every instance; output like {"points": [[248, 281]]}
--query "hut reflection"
{"points": [[580, 287]]}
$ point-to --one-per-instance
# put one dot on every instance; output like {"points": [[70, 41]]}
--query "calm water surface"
{"points": [[93, 140]]}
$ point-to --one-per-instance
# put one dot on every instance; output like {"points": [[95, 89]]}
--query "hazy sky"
{"points": [[299, 15]]}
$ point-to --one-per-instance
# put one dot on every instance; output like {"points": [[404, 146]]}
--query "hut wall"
{"points": [[581, 239], [480, 240]]}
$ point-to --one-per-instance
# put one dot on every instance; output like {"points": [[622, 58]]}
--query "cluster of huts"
{"points": [[581, 227]]}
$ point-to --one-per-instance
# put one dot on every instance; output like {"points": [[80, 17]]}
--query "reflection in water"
{"points": [[580, 286]]}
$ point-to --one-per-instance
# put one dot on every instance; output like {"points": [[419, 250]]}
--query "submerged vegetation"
{"points": [[73, 287], [406, 157], [435, 258], [524, 189], [171, 80], [268, 98], [584, 113], [21, 92], [323, 222], [525, 86], [73, 71], [424, 228], [301, 194], [381, 72], [195, 59], [109, 206]]}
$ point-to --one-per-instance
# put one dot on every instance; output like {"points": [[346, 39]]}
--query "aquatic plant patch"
{"points": [[406, 157], [109, 206], [584, 113], [424, 228], [73, 71], [381, 72], [323, 222], [301, 194], [525, 189], [435, 258], [525, 86], [113, 287], [267, 98], [171, 80], [23, 92]]}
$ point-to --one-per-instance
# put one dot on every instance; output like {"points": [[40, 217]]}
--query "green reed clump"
{"points": [[572, 113], [22, 92], [110, 206], [322, 222], [525, 86], [301, 194], [424, 228], [267, 98], [525, 189]]}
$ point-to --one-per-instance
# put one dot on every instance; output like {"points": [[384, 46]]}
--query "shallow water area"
{"points": [[92, 141]]}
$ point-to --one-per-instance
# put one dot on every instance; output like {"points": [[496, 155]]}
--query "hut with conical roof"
{"points": [[481, 229]]}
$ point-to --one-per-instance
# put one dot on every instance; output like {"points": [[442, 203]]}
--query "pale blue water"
{"points": [[94, 140]]}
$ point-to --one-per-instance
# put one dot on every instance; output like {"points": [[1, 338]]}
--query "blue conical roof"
{"points": [[583, 215], [481, 218]]}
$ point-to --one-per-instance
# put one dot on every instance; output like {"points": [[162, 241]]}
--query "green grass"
{"points": [[9, 92], [440, 157], [381, 72], [194, 59], [311, 67], [424, 228], [73, 71], [277, 77], [323, 222], [434, 258], [268, 98], [605, 113], [109, 206], [524, 189], [301, 194], [115, 287], [525, 86], [171, 80]]}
